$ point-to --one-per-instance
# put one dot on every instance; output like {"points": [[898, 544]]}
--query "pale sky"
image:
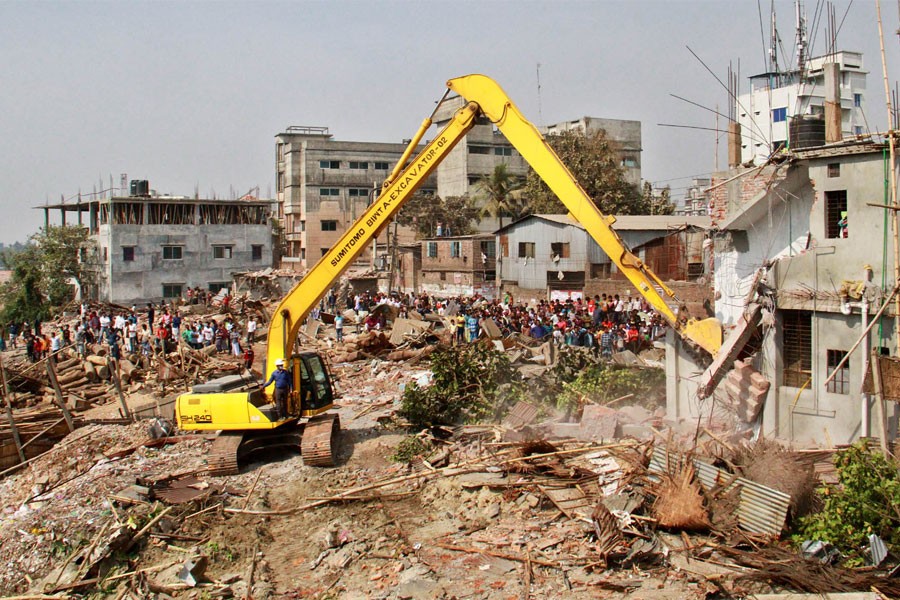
{"points": [[191, 94]]}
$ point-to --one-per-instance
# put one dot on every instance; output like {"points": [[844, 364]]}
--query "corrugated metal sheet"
{"points": [[761, 509]]}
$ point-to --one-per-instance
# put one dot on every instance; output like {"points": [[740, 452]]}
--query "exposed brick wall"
{"points": [[725, 199]]}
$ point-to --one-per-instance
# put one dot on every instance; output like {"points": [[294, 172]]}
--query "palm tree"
{"points": [[498, 190]]}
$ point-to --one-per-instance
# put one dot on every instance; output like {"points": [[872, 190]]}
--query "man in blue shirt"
{"points": [[283, 384]]}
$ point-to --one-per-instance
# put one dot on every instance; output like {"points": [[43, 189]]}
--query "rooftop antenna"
{"points": [[540, 110], [773, 48], [801, 39]]}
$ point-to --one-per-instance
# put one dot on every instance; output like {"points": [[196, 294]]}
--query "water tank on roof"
{"points": [[807, 131], [140, 187]]}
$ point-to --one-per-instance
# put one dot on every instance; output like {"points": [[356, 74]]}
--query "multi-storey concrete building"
{"points": [[323, 184], [797, 98], [153, 248]]}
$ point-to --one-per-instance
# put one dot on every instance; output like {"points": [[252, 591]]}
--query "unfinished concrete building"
{"points": [[155, 248]]}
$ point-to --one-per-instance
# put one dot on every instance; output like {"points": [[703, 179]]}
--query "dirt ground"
{"points": [[403, 543]]}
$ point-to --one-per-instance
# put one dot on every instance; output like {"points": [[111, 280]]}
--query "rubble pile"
{"points": [[600, 499]]}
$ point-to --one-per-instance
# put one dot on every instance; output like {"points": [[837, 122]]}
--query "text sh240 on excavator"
{"points": [[246, 416]]}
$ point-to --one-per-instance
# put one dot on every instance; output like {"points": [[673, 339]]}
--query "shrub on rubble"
{"points": [[470, 382], [866, 500], [604, 382]]}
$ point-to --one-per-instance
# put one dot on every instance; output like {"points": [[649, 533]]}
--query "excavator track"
{"points": [[320, 440], [231, 449], [223, 456]]}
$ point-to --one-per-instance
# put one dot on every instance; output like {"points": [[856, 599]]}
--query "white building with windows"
{"points": [[767, 112], [155, 248]]}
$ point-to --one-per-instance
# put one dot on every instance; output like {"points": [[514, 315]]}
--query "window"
{"points": [[857, 100], [214, 287], [324, 251], [302, 253], [779, 115], [526, 249], [381, 166], [329, 192], [256, 252], [502, 151], [629, 162], [840, 384], [222, 251], [836, 214], [834, 169], [105, 254], [172, 252], [797, 344], [329, 164], [362, 166], [479, 149], [432, 249], [695, 270], [280, 183], [128, 253], [171, 290], [489, 249], [559, 249], [329, 225], [358, 192], [454, 249]]}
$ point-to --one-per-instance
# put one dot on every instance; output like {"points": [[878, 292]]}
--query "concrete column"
{"points": [[734, 144], [832, 103]]}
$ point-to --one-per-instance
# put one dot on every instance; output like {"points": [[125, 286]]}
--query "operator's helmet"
{"points": [[279, 362]]}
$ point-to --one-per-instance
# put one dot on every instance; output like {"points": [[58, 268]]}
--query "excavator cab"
{"points": [[312, 379]]}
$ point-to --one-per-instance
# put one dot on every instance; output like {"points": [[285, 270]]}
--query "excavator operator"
{"points": [[283, 383]]}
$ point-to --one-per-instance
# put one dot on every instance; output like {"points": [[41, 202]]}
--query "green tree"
{"points": [[425, 211], [21, 295], [499, 192], [661, 203], [594, 160], [44, 271]]}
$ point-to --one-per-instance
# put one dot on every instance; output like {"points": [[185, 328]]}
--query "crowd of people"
{"points": [[609, 323], [156, 329]]}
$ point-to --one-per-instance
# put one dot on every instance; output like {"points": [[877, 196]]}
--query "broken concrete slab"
{"points": [[734, 343], [599, 423]]}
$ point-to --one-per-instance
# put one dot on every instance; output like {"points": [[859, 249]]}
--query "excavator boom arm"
{"points": [[497, 106], [485, 98], [290, 313]]}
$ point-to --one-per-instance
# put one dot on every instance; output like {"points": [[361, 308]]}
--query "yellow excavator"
{"points": [[244, 414]]}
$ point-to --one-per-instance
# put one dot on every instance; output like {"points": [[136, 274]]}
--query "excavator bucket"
{"points": [[706, 333]]}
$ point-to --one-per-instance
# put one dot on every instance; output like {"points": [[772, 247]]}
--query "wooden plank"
{"points": [[60, 401]]}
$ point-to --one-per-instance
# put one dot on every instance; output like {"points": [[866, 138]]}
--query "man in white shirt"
{"points": [[251, 330]]}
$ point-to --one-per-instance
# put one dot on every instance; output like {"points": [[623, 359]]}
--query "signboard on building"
{"points": [[563, 295]]}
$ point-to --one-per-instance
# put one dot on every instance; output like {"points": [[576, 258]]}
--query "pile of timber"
{"points": [[38, 429]]}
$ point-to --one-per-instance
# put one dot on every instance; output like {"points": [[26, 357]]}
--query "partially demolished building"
{"points": [[803, 266]]}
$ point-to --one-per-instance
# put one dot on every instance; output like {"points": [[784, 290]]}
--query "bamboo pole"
{"points": [[114, 375], [875, 365], [864, 333], [54, 383], [7, 393], [895, 218]]}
